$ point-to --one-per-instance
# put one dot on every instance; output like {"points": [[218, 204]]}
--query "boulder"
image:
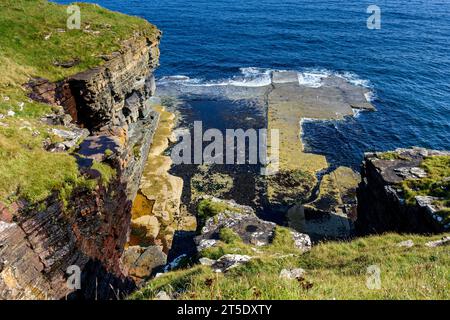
{"points": [[148, 224], [243, 221], [383, 205], [162, 295], [140, 262], [206, 261]]}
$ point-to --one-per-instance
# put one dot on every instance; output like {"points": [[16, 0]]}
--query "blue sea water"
{"points": [[406, 63]]}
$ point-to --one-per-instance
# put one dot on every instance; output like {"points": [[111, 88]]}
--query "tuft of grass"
{"points": [[208, 208], [334, 270], [391, 155], [107, 172], [435, 184]]}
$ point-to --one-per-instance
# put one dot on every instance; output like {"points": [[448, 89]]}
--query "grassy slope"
{"points": [[27, 171], [335, 270]]}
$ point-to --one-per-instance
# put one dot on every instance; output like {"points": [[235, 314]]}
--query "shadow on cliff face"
{"points": [[183, 243], [99, 284]]}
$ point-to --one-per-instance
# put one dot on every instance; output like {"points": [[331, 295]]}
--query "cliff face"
{"points": [[382, 200], [39, 243]]}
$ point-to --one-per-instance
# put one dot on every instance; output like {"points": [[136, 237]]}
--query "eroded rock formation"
{"points": [[91, 227], [382, 202]]}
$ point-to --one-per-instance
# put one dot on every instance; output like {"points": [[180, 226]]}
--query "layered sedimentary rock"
{"points": [[90, 228], [383, 202]]}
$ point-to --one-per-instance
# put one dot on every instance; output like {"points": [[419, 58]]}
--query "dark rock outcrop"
{"points": [[244, 222], [381, 200]]}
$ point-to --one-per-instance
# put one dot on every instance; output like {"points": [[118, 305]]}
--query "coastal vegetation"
{"points": [[34, 43], [333, 270], [435, 184]]}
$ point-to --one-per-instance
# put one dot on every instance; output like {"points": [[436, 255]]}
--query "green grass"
{"points": [[27, 171], [24, 24], [436, 184], [107, 172], [391, 155], [334, 270], [208, 208]]}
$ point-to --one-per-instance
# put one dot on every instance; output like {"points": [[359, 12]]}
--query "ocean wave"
{"points": [[261, 77]]}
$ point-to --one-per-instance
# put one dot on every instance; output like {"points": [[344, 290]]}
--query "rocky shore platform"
{"points": [[305, 193]]}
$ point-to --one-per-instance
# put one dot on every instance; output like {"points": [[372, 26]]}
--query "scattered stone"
{"points": [[411, 172], [5, 98], [162, 295], [205, 244], [301, 241], [297, 273], [10, 113], [175, 263], [46, 37], [206, 261], [2, 116], [230, 261], [438, 243], [406, 244], [70, 137], [67, 64], [243, 221]]}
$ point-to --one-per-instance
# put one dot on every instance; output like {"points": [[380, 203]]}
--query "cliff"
{"points": [[406, 190], [104, 131]]}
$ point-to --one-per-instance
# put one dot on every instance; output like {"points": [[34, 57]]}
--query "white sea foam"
{"points": [[353, 79], [370, 96], [260, 77], [312, 78], [356, 112]]}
